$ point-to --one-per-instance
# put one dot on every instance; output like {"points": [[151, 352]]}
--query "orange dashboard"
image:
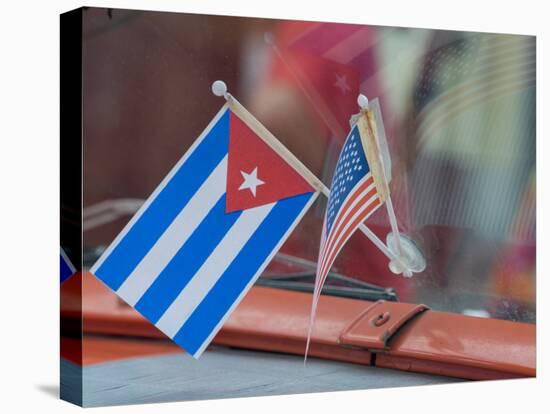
{"points": [[386, 334]]}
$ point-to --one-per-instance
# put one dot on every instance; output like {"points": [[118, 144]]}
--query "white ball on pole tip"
{"points": [[219, 88], [362, 101]]}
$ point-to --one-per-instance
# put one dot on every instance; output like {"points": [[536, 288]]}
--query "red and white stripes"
{"points": [[358, 206]]}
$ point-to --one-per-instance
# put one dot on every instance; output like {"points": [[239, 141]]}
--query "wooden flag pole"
{"points": [[220, 89], [368, 130]]}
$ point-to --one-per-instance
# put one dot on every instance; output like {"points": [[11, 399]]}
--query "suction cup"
{"points": [[412, 259]]}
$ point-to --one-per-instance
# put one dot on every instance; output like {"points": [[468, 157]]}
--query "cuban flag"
{"points": [[353, 198], [199, 242], [66, 268]]}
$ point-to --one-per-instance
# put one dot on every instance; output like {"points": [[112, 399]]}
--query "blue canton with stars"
{"points": [[352, 166]]}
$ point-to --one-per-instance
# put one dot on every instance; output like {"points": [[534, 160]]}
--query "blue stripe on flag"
{"points": [[165, 207], [65, 269], [186, 262], [227, 289]]}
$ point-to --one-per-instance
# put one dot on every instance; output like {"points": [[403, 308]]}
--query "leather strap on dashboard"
{"points": [[380, 321]]}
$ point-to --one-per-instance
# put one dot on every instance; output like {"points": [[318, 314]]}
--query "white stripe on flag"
{"points": [[158, 189], [342, 214], [330, 249], [305, 209], [212, 269], [338, 220], [175, 235]]}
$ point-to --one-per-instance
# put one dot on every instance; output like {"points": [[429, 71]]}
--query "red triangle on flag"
{"points": [[256, 174]]}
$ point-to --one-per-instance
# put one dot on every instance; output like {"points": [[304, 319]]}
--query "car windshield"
{"points": [[459, 115]]}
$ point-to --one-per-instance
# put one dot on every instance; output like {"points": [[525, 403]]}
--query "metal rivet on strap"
{"points": [[381, 319]]}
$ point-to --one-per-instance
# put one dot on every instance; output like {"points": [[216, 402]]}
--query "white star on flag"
{"points": [[251, 181], [342, 83], [198, 244]]}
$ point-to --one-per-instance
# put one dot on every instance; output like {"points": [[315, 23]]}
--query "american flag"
{"points": [[353, 198]]}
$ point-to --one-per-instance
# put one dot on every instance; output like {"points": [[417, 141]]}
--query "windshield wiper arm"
{"points": [[372, 293], [339, 285]]}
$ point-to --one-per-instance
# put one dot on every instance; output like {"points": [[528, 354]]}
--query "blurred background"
{"points": [[458, 109]]}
